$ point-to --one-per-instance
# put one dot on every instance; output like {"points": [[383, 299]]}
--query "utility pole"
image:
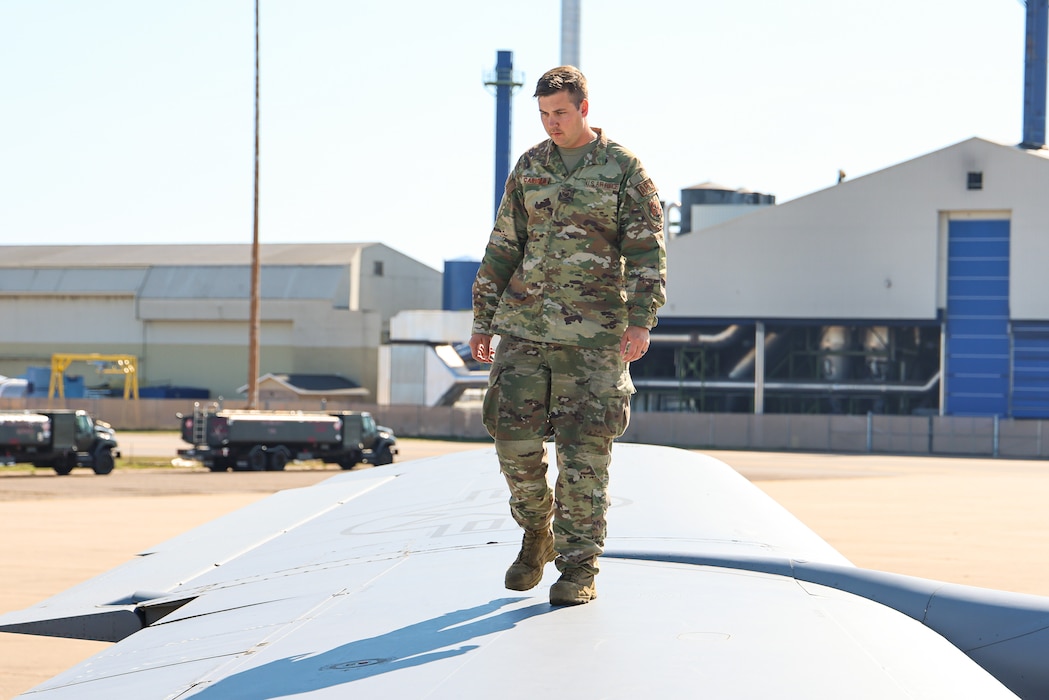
{"points": [[253, 323]]}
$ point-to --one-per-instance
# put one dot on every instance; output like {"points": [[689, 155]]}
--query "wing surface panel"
{"points": [[656, 629], [170, 566]]}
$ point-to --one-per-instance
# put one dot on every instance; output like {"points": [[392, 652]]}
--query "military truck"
{"points": [[247, 440], [60, 439]]}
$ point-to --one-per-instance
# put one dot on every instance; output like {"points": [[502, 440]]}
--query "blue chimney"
{"points": [[1037, 34], [504, 83]]}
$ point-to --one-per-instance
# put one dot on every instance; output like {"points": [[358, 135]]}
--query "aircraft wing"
{"points": [[387, 583]]}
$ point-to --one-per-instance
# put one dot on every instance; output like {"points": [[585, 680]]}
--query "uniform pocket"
{"points": [[515, 405], [610, 392], [490, 405]]}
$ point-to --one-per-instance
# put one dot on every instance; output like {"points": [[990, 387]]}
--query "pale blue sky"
{"points": [[131, 121]]}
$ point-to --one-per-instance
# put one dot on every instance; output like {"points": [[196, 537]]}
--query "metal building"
{"points": [[920, 288], [183, 310]]}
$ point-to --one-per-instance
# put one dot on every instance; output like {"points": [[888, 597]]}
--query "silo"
{"points": [[458, 282]]}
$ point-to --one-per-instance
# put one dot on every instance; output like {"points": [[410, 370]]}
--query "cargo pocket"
{"points": [[490, 405], [515, 405], [609, 414]]}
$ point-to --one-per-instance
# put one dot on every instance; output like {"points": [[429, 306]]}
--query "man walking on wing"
{"points": [[571, 280]]}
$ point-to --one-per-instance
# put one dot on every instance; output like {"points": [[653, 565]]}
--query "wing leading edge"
{"points": [[388, 582]]}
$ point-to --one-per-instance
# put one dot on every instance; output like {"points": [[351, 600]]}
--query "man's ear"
{"points": [[584, 106]]}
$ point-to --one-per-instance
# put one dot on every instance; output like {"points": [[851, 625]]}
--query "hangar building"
{"points": [[920, 288], [183, 310]]}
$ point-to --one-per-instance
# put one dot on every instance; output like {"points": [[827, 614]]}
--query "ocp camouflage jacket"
{"points": [[574, 257]]}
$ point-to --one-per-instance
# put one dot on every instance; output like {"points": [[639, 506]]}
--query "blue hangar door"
{"points": [[976, 343]]}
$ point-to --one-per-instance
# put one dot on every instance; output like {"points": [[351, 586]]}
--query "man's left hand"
{"points": [[634, 343]]}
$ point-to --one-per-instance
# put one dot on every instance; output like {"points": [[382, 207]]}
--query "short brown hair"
{"points": [[561, 78]]}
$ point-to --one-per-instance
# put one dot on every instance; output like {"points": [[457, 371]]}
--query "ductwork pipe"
{"points": [[822, 387]]}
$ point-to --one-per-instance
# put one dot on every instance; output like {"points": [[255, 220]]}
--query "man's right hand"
{"points": [[481, 347]]}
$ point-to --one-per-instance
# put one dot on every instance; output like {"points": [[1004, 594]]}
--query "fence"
{"points": [[874, 434]]}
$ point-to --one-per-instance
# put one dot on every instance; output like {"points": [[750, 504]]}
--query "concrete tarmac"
{"points": [[981, 522]]}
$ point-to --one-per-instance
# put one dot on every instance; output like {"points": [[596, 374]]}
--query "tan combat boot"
{"points": [[537, 549], [576, 586]]}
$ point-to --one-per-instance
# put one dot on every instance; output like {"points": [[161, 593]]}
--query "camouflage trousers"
{"points": [[581, 398]]}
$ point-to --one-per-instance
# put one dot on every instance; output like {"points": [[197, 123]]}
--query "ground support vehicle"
{"points": [[245, 440], [60, 439]]}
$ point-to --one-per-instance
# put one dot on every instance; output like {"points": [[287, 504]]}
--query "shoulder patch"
{"points": [[647, 188], [640, 185], [655, 210]]}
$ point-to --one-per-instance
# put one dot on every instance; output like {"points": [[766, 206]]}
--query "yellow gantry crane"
{"points": [[126, 365]]}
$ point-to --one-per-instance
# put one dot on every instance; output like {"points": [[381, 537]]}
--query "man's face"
{"points": [[565, 123]]}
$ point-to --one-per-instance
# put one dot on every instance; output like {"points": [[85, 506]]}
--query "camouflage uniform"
{"points": [[574, 258]]}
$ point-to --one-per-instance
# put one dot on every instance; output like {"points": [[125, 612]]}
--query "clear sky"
{"points": [[132, 121]]}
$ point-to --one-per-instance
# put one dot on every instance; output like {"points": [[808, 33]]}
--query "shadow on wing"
{"points": [[424, 642]]}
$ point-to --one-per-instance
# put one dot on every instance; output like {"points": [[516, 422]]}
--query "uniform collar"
{"points": [[599, 154]]}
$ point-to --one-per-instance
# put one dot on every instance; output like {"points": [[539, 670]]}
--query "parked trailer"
{"points": [[244, 440], [59, 439]]}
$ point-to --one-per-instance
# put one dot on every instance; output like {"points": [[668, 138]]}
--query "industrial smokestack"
{"points": [[1035, 60], [504, 82], [570, 33]]}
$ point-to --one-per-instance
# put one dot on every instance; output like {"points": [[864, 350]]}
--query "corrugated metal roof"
{"points": [[109, 256], [71, 280], [317, 382], [307, 384], [234, 282]]}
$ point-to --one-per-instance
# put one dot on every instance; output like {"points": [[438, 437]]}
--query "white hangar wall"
{"points": [[392, 282], [306, 337], [48, 320], [870, 248]]}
